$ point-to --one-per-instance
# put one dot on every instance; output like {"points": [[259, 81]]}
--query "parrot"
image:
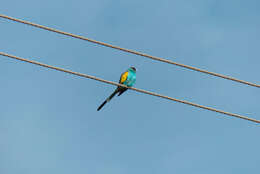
{"points": [[127, 78]]}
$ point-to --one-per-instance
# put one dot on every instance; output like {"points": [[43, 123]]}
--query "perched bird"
{"points": [[127, 78]]}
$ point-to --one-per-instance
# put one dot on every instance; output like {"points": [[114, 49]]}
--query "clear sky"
{"points": [[48, 119]]}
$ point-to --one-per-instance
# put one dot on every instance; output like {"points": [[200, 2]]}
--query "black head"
{"points": [[133, 68]]}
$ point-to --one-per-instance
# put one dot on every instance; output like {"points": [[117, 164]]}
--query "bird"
{"points": [[127, 78]]}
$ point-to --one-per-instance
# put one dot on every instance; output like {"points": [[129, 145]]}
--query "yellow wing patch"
{"points": [[123, 77]]}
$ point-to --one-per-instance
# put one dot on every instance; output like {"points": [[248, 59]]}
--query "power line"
{"points": [[135, 89], [131, 51]]}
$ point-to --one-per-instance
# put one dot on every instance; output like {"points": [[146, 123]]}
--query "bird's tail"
{"points": [[108, 99]]}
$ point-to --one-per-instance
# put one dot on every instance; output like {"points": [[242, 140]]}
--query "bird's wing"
{"points": [[123, 77]]}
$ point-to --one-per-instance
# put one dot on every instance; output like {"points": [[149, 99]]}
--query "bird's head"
{"points": [[132, 68]]}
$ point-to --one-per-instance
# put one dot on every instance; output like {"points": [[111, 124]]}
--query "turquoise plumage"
{"points": [[131, 77], [127, 78]]}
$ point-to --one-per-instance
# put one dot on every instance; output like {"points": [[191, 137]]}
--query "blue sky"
{"points": [[48, 119]]}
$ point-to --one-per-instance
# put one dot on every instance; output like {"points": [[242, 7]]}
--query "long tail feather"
{"points": [[101, 106], [108, 99], [122, 91]]}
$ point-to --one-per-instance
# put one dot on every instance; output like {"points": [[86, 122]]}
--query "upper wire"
{"points": [[131, 51], [135, 89]]}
